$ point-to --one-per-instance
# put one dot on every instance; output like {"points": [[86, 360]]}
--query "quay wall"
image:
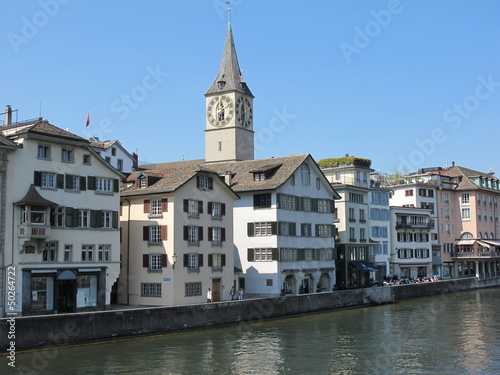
{"points": [[63, 329]]}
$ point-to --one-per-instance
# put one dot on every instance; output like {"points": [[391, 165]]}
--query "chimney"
{"points": [[228, 178], [7, 116], [452, 163]]}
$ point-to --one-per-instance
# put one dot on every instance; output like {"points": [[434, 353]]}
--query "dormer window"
{"points": [[259, 176], [221, 84], [143, 183]]}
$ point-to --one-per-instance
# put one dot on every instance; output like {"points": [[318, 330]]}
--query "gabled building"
{"points": [[474, 203], [61, 215], [115, 154], [177, 237]]}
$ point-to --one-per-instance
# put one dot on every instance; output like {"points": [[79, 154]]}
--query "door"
{"points": [[66, 296], [215, 290]]}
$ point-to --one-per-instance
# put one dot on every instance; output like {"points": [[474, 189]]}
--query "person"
{"points": [[232, 293], [209, 295], [240, 294]]}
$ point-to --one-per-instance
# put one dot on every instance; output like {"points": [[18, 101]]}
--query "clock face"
{"points": [[244, 112], [220, 110]]}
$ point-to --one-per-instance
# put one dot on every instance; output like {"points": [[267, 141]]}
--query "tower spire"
{"points": [[228, 12], [229, 77]]}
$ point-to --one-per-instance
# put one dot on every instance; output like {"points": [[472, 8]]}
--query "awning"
{"points": [[364, 266], [484, 244], [66, 275], [465, 242], [492, 242]]}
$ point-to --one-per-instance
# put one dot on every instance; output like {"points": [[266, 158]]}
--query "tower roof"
{"points": [[229, 77]]}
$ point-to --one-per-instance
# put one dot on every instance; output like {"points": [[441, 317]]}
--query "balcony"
{"points": [[475, 254], [414, 226], [34, 231]]}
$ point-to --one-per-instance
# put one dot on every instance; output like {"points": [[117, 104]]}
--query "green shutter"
{"points": [[300, 254], [250, 255], [297, 203], [69, 216], [60, 181], [115, 219], [274, 228], [116, 185], [275, 254], [278, 200], [83, 183], [250, 229], [37, 178], [90, 182]]}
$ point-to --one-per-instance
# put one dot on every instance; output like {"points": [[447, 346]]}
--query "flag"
{"points": [[87, 123]]}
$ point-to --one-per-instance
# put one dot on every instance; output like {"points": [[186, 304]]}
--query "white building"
{"points": [[61, 216], [115, 154]]}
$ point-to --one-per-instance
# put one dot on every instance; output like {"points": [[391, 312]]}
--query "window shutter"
{"points": [[316, 232], [37, 178], [275, 254], [83, 183], [145, 260], [145, 233], [74, 218], [223, 260], [185, 260], [314, 204], [69, 216], [163, 229], [164, 205], [198, 181], [223, 234], [223, 209], [250, 229], [68, 181], [292, 229], [256, 200], [297, 203], [274, 228], [95, 219], [278, 200], [300, 254], [280, 232], [116, 185], [114, 219], [146, 206], [186, 232], [164, 260], [302, 230], [90, 182], [250, 255], [121, 208], [200, 207], [200, 233], [210, 183], [210, 260], [60, 181], [200, 260], [209, 208], [185, 205], [210, 234], [332, 230], [332, 206]]}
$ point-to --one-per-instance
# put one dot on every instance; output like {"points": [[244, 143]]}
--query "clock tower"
{"points": [[229, 134]]}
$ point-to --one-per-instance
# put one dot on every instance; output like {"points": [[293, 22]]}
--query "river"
{"points": [[456, 333]]}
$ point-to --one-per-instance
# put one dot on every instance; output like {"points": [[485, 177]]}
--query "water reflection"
{"points": [[449, 334]]}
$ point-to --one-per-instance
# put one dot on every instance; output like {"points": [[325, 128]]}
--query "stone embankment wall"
{"points": [[62, 329]]}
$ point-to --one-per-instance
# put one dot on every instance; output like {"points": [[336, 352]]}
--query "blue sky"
{"points": [[408, 84]]}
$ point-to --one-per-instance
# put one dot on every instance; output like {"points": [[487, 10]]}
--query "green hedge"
{"points": [[347, 160]]}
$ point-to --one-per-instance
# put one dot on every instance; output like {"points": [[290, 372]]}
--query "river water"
{"points": [[455, 333]]}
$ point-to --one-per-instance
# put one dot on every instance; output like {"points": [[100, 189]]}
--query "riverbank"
{"points": [[63, 329]]}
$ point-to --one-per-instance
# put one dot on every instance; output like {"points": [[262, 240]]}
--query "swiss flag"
{"points": [[87, 123]]}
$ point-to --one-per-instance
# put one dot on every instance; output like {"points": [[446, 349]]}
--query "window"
{"points": [[262, 201], [67, 155], [143, 183], [287, 202], [318, 183], [155, 208], [113, 151], [192, 289], [193, 234], [305, 230], [263, 229], [217, 261], [193, 208], [352, 215], [216, 209], [155, 234], [306, 204], [216, 235], [48, 180], [68, 252], [465, 198], [150, 290], [421, 253], [103, 254], [104, 185], [83, 218], [352, 234], [87, 253], [292, 180], [263, 255], [119, 164], [155, 262], [362, 215], [86, 159], [43, 152], [49, 253], [465, 213], [324, 230], [408, 193], [259, 176], [42, 293], [288, 255], [72, 182], [356, 197], [324, 205], [205, 183], [108, 159], [337, 176], [305, 175], [362, 236], [193, 262], [405, 253]]}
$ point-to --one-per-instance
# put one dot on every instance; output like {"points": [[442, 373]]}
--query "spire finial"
{"points": [[228, 12]]}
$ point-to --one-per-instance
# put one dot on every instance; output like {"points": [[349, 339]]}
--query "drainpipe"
{"points": [[128, 251]]}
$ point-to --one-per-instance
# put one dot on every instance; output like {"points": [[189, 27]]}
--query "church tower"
{"points": [[229, 134]]}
